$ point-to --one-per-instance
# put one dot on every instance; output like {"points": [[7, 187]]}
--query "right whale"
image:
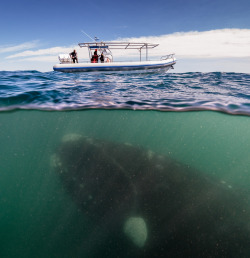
{"points": [[142, 204]]}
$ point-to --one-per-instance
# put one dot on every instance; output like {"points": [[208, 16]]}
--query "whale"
{"points": [[144, 204]]}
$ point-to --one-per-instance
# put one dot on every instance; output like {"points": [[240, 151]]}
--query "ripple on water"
{"points": [[225, 92]]}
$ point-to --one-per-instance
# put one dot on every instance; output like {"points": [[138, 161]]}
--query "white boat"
{"points": [[108, 64]]}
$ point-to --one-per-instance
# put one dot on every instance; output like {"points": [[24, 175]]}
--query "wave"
{"points": [[217, 91]]}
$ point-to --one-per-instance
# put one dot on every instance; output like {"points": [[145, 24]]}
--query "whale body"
{"points": [[142, 204]]}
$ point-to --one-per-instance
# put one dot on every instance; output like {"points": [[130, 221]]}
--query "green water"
{"points": [[38, 218]]}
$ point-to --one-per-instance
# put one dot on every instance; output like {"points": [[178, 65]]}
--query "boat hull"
{"points": [[144, 66]]}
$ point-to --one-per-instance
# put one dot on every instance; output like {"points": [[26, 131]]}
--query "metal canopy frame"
{"points": [[119, 45]]}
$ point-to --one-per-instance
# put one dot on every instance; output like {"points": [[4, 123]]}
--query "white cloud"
{"points": [[225, 43], [20, 47], [42, 52], [44, 58]]}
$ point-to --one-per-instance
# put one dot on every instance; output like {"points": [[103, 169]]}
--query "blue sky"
{"points": [[46, 25]]}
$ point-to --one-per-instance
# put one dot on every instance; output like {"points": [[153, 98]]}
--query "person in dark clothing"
{"points": [[102, 58], [94, 58], [73, 55]]}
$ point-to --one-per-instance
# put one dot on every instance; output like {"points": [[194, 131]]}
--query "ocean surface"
{"points": [[179, 135]]}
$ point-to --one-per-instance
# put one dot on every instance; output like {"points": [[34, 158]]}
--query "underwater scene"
{"points": [[121, 177]]}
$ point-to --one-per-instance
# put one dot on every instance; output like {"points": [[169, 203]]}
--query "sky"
{"points": [[205, 36]]}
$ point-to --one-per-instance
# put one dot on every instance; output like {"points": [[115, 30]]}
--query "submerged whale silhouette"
{"points": [[142, 204]]}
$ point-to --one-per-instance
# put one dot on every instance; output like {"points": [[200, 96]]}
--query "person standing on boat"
{"points": [[102, 58], [73, 55], [94, 58]]}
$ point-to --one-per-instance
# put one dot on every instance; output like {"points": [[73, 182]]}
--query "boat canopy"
{"points": [[99, 47], [119, 45]]}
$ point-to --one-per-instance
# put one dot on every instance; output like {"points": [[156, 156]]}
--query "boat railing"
{"points": [[170, 56]]}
